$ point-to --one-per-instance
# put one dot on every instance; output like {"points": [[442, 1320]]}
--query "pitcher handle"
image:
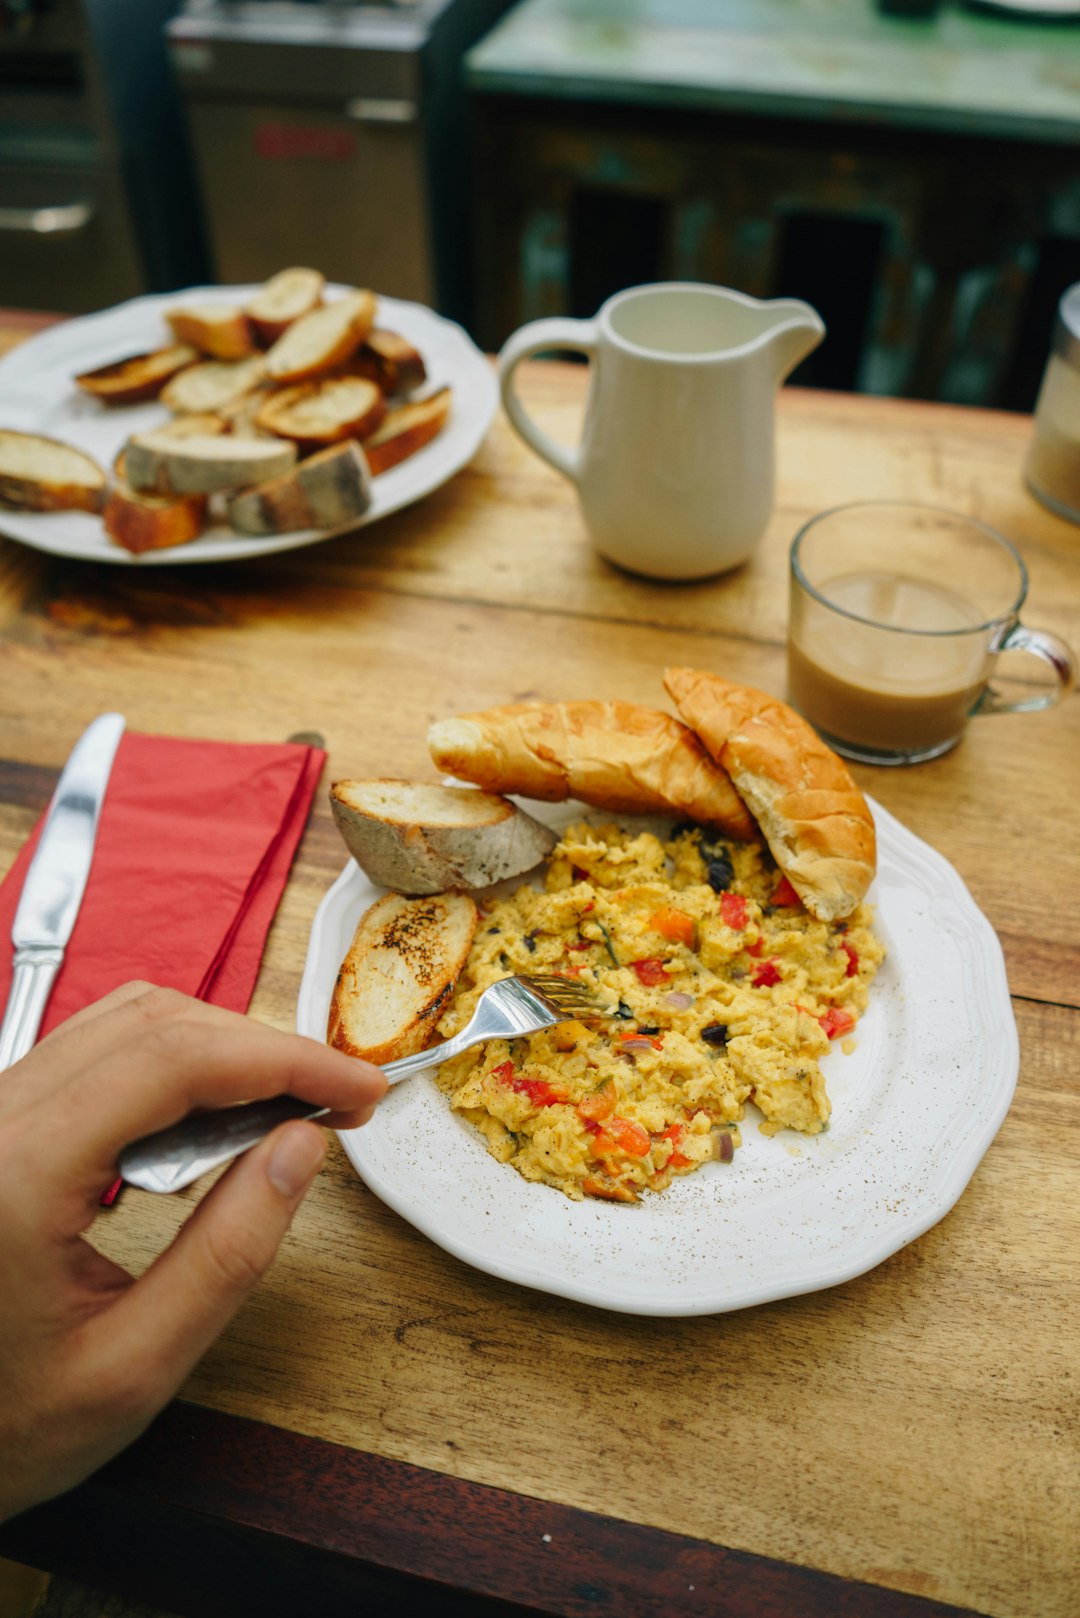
{"points": [[535, 338], [1052, 650]]}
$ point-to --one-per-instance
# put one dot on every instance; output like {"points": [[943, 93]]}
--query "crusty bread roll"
{"points": [[153, 522], [420, 839], [814, 818], [313, 414], [327, 490], [397, 979], [42, 474], [213, 328], [321, 340], [614, 755], [405, 430], [140, 376]]}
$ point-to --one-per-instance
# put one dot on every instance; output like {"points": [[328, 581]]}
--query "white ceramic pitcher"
{"points": [[675, 468]]}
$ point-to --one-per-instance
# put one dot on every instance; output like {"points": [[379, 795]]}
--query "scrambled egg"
{"points": [[716, 988]]}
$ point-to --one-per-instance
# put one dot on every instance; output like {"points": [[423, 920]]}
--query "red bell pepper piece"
{"points": [[539, 1091], [766, 975], [836, 1022], [852, 958], [733, 910], [784, 893], [650, 972]]}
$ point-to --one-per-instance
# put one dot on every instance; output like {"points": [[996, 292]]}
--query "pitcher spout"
{"points": [[797, 331]]}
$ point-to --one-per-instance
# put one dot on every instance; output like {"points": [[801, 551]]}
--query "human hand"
{"points": [[88, 1354]]}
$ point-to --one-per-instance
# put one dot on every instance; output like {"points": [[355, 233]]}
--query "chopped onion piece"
{"points": [[678, 1001], [723, 1145], [635, 1045]]}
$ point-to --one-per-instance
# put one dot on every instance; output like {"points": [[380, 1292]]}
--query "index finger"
{"points": [[160, 1056]]}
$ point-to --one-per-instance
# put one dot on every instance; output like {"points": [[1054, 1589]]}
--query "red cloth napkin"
{"points": [[193, 850]]}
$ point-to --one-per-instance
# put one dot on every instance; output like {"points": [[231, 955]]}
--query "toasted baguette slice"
{"points": [[214, 385], [407, 429], [316, 343], [615, 755], [399, 974], [240, 415], [213, 328], [282, 300], [405, 368], [151, 522], [178, 427], [390, 360], [159, 464], [328, 490], [814, 818], [420, 839], [42, 474], [315, 413], [142, 376]]}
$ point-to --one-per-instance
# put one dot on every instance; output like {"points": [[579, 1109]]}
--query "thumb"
{"points": [[169, 1318]]}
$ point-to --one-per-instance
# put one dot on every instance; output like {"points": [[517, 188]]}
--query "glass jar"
{"points": [[1052, 468]]}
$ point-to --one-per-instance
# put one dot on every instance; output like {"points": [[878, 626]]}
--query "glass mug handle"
{"points": [[536, 338], [1039, 643]]}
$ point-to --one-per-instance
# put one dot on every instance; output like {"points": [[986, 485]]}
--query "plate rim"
{"points": [[51, 343], [938, 1199]]}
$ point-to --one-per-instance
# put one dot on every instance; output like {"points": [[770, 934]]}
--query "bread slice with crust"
{"points": [[197, 426], [153, 522], [216, 329], [140, 376], [317, 413], [42, 474], [214, 385], [160, 464], [419, 838], [390, 360], [399, 974], [282, 300], [615, 755], [318, 342], [328, 490], [815, 820], [407, 429]]}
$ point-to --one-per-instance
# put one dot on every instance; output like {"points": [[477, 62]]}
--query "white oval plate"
{"points": [[915, 1107], [37, 395]]}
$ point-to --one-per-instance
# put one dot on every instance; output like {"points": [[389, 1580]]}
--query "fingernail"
{"points": [[295, 1160]]}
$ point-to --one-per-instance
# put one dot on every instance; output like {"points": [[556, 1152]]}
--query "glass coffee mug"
{"points": [[897, 614]]}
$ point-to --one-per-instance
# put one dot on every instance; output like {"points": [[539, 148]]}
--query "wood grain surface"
{"points": [[915, 1429]]}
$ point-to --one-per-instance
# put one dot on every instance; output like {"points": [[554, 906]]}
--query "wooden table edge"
{"points": [[215, 1513]]}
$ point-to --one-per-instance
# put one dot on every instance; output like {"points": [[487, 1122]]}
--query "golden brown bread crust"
{"points": [[814, 818], [399, 975], [614, 755]]}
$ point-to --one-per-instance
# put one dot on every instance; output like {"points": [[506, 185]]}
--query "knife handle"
{"points": [[31, 983]]}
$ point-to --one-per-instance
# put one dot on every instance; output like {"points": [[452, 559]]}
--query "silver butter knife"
{"points": [[55, 883]]}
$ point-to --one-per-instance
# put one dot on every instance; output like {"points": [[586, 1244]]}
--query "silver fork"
{"points": [[172, 1158]]}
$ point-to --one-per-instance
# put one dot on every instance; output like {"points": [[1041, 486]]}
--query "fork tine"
{"points": [[565, 993]]}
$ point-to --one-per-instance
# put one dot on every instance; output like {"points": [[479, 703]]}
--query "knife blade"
{"points": [[55, 883]]}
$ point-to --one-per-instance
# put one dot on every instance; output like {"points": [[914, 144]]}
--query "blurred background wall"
{"points": [[908, 166]]}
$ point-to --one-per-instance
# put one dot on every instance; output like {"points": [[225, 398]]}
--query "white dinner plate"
{"points": [[915, 1106], [37, 395]]}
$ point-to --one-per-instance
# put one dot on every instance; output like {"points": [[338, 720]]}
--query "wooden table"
{"points": [[383, 1423]]}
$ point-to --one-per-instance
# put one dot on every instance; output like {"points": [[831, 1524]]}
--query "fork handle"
{"points": [[174, 1158]]}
